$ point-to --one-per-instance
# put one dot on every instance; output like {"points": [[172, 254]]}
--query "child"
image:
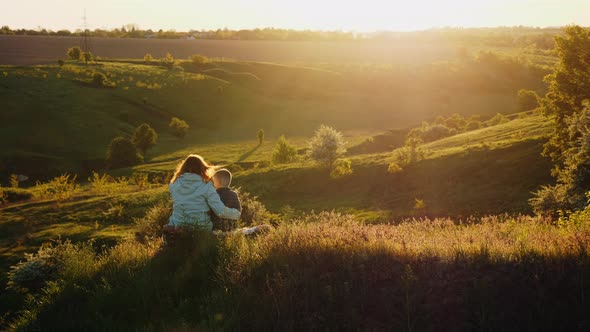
{"points": [[193, 196], [222, 180]]}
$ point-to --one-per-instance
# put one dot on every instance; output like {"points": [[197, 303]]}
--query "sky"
{"points": [[361, 16]]}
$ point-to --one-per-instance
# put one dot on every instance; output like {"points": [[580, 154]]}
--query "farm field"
{"points": [[27, 50]]}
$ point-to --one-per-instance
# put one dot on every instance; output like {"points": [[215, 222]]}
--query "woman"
{"points": [[193, 195]]}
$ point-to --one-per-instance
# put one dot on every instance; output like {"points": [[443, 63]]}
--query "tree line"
{"points": [[493, 37]]}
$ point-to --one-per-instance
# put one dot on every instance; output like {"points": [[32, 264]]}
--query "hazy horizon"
{"points": [[368, 16]]}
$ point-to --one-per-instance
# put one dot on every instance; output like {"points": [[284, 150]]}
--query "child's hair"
{"points": [[193, 164], [223, 176]]}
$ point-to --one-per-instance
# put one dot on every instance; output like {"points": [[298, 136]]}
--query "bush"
{"points": [[156, 217], [394, 168], [326, 145], [148, 58], [74, 53], [168, 61], [253, 211], [122, 153], [144, 138], [61, 63], [284, 152], [549, 201], [178, 127], [198, 59], [341, 168], [60, 188]]}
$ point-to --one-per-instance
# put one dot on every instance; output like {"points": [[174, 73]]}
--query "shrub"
{"points": [[74, 53], [148, 58], [326, 145], [253, 211], [47, 264], [394, 168], [178, 127], [99, 182], [141, 180], [60, 188], [122, 153], [284, 152], [168, 61], [61, 63], [341, 168], [156, 217], [549, 201], [144, 138], [198, 59]]}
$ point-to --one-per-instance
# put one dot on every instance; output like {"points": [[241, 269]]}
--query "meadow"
{"points": [[420, 231]]}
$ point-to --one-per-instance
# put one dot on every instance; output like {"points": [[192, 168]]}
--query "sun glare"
{"points": [[368, 15]]}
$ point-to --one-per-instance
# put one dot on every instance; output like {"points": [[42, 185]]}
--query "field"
{"points": [[417, 234], [25, 50]]}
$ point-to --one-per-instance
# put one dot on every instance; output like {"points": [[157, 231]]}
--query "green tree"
{"points": [[122, 153], [283, 151], [178, 127], [260, 136], [527, 100], [566, 103], [74, 53], [144, 138], [569, 86], [326, 145]]}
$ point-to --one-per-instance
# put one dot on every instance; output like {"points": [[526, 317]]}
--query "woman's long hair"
{"points": [[194, 164]]}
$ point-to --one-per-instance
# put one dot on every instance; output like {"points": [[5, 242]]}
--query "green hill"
{"points": [[51, 118]]}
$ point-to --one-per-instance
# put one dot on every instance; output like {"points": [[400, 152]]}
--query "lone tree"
{"points": [[178, 127], [260, 136], [326, 145], [144, 138], [122, 153], [566, 103], [74, 53], [283, 151]]}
